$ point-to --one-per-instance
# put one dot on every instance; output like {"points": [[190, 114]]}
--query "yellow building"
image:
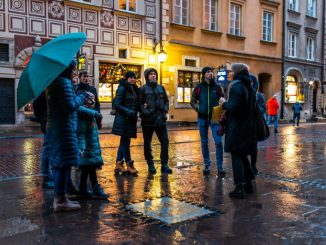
{"points": [[214, 33]]}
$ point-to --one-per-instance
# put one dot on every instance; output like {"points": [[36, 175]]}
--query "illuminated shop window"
{"points": [[187, 80], [110, 73], [292, 90]]}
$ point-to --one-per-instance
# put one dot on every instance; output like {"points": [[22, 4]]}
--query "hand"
{"points": [[145, 105], [221, 101]]}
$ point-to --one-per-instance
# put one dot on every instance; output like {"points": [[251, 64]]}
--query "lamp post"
{"points": [[311, 85], [161, 58]]}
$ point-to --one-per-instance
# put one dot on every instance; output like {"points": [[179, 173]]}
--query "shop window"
{"points": [[110, 73], [292, 90], [190, 62], [187, 80]]}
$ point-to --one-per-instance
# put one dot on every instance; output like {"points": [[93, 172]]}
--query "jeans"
{"points": [[296, 116], [45, 163], [275, 119], [162, 135], [124, 149], [203, 126], [242, 172], [61, 177]]}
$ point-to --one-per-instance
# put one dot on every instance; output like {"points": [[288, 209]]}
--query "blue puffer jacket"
{"points": [[62, 123], [88, 139], [204, 97]]}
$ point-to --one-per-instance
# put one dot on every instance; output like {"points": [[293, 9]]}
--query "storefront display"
{"points": [[187, 80], [292, 91]]}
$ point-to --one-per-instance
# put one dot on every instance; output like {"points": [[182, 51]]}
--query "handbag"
{"points": [[217, 113], [262, 130]]}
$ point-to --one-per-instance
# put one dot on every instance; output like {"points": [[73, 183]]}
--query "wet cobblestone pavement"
{"points": [[289, 206]]}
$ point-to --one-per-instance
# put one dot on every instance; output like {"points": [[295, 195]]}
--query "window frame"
{"points": [[296, 9], [314, 5], [210, 14], [265, 33], [233, 28], [128, 7], [180, 12], [294, 47], [310, 49]]}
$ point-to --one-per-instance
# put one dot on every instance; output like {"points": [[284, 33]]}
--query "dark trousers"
{"points": [[162, 135], [124, 149], [296, 117], [61, 178], [85, 172], [242, 172]]}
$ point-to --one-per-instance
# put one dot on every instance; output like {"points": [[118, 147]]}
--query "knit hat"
{"points": [[239, 67], [130, 74], [206, 69]]}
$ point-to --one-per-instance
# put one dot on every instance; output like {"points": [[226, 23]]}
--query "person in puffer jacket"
{"points": [[272, 109], [204, 97], [154, 105], [297, 108]]}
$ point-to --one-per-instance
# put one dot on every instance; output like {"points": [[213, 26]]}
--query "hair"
{"points": [[239, 67], [82, 72]]}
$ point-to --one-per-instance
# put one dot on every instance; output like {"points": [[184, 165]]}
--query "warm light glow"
{"points": [[311, 83], [162, 56], [151, 58]]}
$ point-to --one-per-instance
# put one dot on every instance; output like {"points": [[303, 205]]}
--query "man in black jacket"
{"points": [[154, 105], [204, 97]]}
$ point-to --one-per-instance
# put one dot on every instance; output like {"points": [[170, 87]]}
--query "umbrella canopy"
{"points": [[46, 64]]}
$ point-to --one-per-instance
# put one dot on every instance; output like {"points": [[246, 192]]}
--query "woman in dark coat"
{"points": [[125, 121], [240, 138], [62, 134]]}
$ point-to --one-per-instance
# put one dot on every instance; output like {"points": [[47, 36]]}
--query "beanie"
{"points": [[130, 74], [206, 69]]}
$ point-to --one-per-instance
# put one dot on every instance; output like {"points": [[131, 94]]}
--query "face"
{"points": [[209, 75], [84, 78], [74, 73], [131, 80], [230, 75], [152, 76]]}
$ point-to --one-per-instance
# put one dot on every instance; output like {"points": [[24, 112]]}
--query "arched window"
{"points": [[292, 90]]}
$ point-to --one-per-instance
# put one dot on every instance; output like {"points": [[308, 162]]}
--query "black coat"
{"points": [[240, 136], [125, 104], [156, 99]]}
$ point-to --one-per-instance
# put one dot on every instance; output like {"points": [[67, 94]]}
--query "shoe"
{"points": [[207, 170], [47, 183], [130, 167], [84, 193], [151, 168], [65, 206], [98, 193], [221, 172], [166, 169], [71, 190], [119, 168], [238, 192], [275, 131], [248, 188]]}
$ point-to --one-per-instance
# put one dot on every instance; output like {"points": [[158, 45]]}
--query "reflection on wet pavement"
{"points": [[287, 208]]}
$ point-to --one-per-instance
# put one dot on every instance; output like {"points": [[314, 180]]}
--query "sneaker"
{"points": [[248, 188], [166, 169], [221, 172], [98, 193], [238, 192], [151, 169], [207, 170], [65, 206]]}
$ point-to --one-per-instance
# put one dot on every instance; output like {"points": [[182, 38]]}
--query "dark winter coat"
{"points": [[126, 107], [62, 123], [240, 126], [89, 88], [88, 140], [40, 110], [204, 97], [261, 102], [154, 95]]}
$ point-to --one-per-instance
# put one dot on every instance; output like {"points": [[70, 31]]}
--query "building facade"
{"points": [[121, 35], [217, 33], [303, 59]]}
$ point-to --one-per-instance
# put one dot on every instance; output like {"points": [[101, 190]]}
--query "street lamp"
{"points": [[311, 85], [161, 58]]}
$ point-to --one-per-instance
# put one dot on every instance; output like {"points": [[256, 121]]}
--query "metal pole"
{"points": [[283, 61], [161, 44]]}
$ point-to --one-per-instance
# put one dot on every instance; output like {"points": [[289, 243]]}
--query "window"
{"points": [[123, 53], [293, 92], [311, 8], [310, 48], [4, 52], [267, 26], [181, 9], [235, 20], [190, 62], [294, 5], [127, 5], [187, 80], [293, 44], [211, 15]]}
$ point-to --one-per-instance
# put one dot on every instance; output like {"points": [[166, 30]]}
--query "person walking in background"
{"points": [[272, 109], [205, 96], [154, 105], [240, 139], [297, 108], [125, 121], [90, 149]]}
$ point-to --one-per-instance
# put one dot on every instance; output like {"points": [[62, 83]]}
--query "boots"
{"points": [[166, 169], [238, 192], [119, 168], [207, 170], [151, 168], [248, 188], [98, 193], [63, 204], [130, 167]]}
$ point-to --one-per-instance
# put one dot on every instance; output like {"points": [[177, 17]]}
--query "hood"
{"points": [[149, 70], [244, 77]]}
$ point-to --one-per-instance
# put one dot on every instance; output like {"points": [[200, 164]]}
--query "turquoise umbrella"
{"points": [[46, 64]]}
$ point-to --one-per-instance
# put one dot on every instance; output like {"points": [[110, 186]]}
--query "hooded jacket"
{"points": [[272, 106], [153, 102]]}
